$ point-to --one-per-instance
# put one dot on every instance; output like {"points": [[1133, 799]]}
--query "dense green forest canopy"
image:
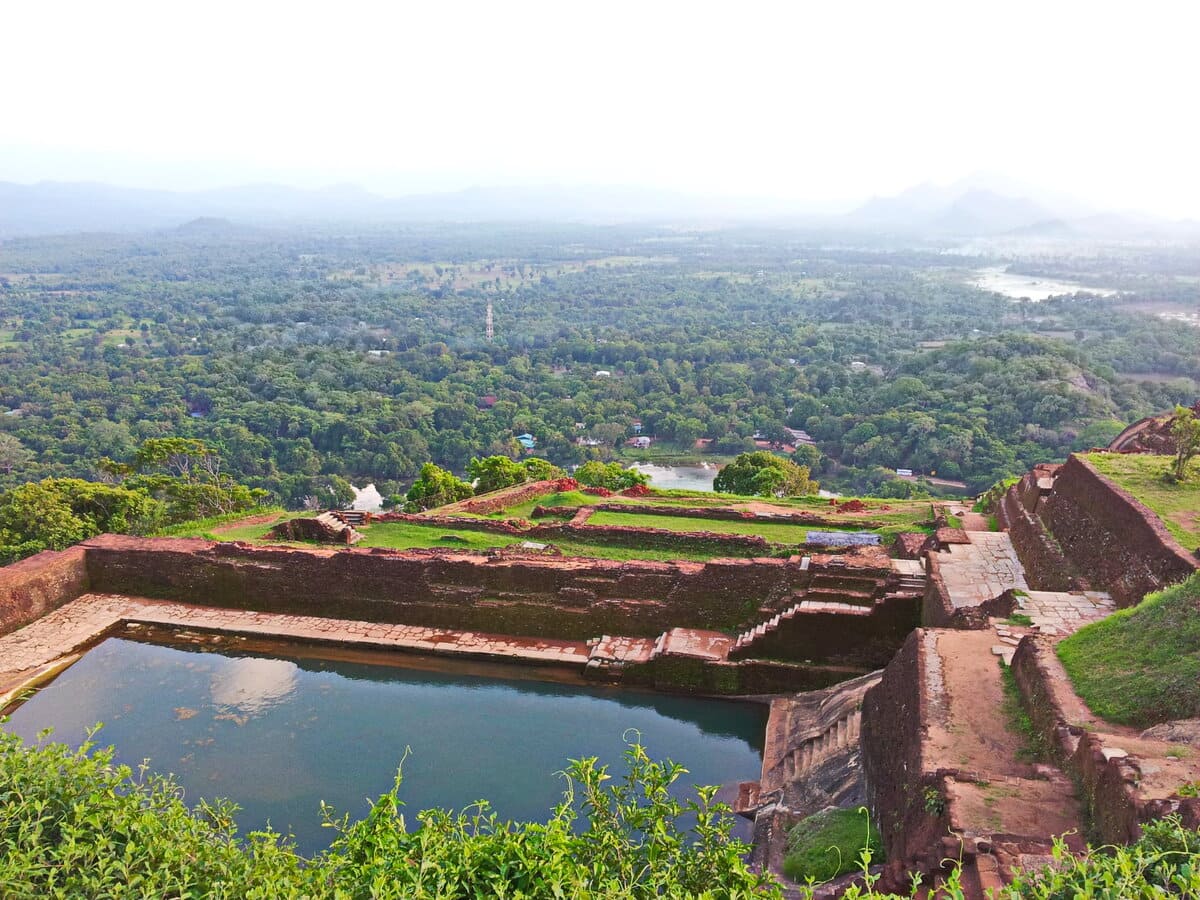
{"points": [[307, 357]]}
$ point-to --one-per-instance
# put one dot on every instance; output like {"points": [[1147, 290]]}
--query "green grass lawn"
{"points": [[563, 498], [407, 536], [203, 528], [776, 532], [1141, 666], [901, 515], [1178, 505]]}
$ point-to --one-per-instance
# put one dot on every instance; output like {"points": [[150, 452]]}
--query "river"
{"points": [[1017, 286]]}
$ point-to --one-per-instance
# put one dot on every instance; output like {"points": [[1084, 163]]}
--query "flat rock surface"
{"points": [[697, 644], [981, 569]]}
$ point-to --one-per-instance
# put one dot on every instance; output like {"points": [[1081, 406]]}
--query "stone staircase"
{"points": [[910, 577], [812, 752], [1054, 613], [837, 738], [805, 606]]}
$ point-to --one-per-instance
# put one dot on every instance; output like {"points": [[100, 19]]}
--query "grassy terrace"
{"points": [[1141, 666], [1178, 505], [776, 532], [899, 516], [406, 536], [906, 513]]}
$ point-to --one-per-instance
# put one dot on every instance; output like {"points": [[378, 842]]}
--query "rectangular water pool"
{"points": [[279, 734]]}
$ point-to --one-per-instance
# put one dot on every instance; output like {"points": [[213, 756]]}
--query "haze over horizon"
{"points": [[817, 108]]}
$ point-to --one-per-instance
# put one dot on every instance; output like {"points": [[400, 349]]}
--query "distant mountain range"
{"points": [[989, 205], [978, 206]]}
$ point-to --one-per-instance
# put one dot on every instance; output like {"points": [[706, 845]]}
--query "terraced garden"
{"points": [[659, 510]]}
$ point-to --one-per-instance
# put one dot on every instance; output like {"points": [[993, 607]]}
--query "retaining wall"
{"points": [[802, 518], [1106, 532], [35, 586], [607, 535], [500, 593], [938, 610], [506, 497], [907, 803], [1046, 566], [1108, 784]]}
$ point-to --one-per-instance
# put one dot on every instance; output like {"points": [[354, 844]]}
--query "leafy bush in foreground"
{"points": [[75, 825]]}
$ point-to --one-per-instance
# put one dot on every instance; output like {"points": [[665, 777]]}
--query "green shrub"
{"points": [[1163, 863], [75, 825], [829, 844]]}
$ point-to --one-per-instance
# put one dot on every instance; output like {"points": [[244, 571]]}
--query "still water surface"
{"points": [[278, 735], [1017, 286], [686, 478]]}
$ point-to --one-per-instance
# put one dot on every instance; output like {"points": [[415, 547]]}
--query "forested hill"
{"points": [[361, 354]]}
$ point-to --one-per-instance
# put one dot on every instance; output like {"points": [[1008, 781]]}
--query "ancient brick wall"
{"points": [[1108, 534], [33, 587], [1046, 566], [905, 801], [609, 535], [750, 676], [502, 499], [458, 523], [937, 609], [733, 515], [654, 538], [502, 593]]}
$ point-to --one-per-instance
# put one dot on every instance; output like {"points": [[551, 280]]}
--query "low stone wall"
{"points": [[937, 610], [907, 803], [680, 674], [655, 538], [500, 500], [1107, 533], [1046, 566], [727, 514], [499, 593], [512, 527], [1108, 783], [33, 587], [607, 535]]}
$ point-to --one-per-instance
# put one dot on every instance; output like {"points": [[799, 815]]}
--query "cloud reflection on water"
{"points": [[254, 686]]}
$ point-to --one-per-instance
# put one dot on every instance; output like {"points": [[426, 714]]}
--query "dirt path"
{"points": [[998, 791], [265, 519]]}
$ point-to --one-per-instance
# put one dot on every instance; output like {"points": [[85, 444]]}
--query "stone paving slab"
{"points": [[89, 617], [981, 570], [696, 644], [622, 649], [912, 567]]}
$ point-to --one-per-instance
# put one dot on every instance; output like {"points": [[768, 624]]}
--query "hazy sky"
{"points": [[823, 102]]}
